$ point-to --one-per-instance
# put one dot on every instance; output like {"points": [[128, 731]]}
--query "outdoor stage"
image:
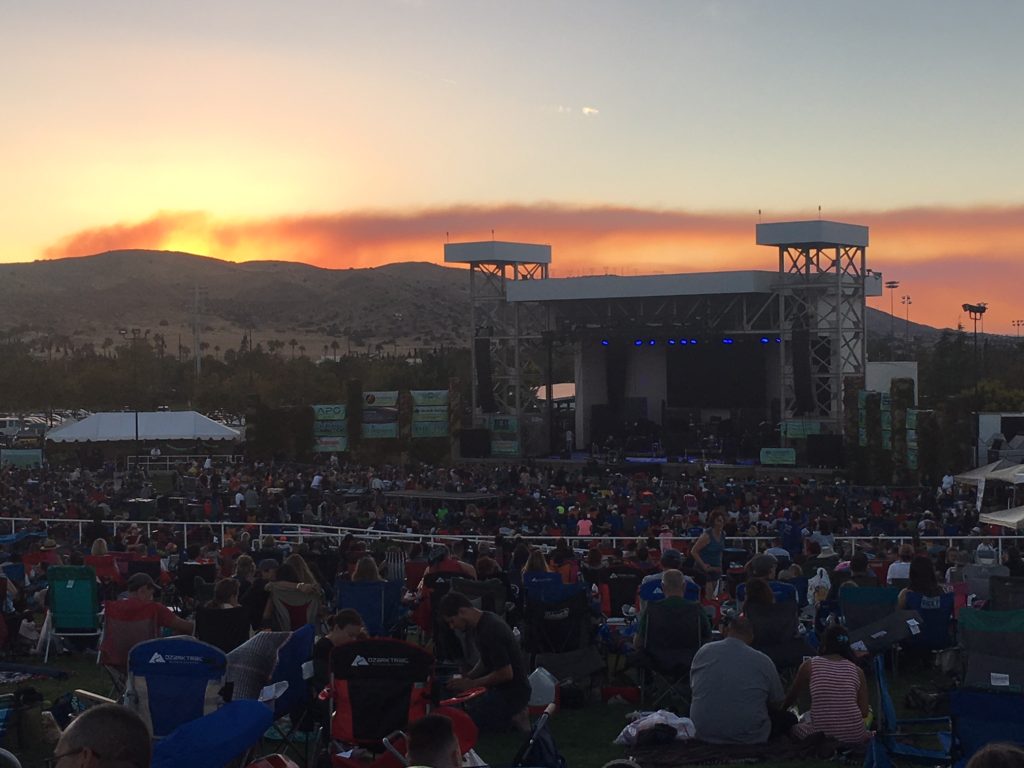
{"points": [[721, 362]]}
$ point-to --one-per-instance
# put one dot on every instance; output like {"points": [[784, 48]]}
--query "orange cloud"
{"points": [[942, 256]]}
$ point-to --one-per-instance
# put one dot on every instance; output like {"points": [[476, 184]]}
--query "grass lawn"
{"points": [[584, 736]]}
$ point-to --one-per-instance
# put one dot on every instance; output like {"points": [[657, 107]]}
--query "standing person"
{"points": [[501, 669], [838, 691], [737, 693], [707, 552], [900, 569]]}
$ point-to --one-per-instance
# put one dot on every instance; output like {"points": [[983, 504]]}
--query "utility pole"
{"points": [[1017, 324], [976, 312], [906, 301]]}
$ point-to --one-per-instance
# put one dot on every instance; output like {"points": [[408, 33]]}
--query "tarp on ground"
{"points": [[152, 425], [1007, 518], [973, 476]]}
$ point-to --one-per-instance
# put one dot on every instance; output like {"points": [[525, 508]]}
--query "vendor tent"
{"points": [[1007, 518], [1013, 474], [983, 473], [150, 425]]}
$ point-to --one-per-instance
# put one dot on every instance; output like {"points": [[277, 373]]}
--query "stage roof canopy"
{"points": [[152, 425], [640, 286]]}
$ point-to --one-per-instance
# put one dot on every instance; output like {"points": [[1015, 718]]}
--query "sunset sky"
{"points": [[631, 136]]}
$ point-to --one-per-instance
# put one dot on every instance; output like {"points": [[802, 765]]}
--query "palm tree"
{"points": [[334, 346], [216, 351], [293, 344], [302, 350], [107, 344]]}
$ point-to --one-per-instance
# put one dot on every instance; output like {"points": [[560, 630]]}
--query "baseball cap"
{"points": [[139, 580], [671, 558]]}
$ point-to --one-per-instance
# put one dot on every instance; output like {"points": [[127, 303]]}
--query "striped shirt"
{"points": [[834, 711]]}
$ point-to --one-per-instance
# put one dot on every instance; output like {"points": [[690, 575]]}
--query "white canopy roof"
{"points": [[985, 472], [152, 425], [1008, 518], [1012, 474]]}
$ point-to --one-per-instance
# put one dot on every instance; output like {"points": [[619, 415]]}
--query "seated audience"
{"points": [[737, 693], [432, 744], [922, 580], [105, 735], [837, 688]]}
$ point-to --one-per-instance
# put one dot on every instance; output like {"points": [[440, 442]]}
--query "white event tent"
{"points": [[1007, 518], [150, 425]]}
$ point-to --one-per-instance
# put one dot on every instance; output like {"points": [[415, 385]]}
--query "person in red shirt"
{"points": [[142, 591]]}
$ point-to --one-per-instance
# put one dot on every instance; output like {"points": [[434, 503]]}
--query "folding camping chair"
{"points": [[377, 686], [542, 586], [147, 565], [448, 646], [293, 708], [226, 628], [73, 599], [487, 595], [173, 681], [556, 627], [619, 587], [993, 644], [776, 635], [861, 606], [673, 633], [977, 578], [216, 739], [185, 582], [981, 717], [1005, 593], [125, 625], [651, 591], [892, 732], [378, 602], [936, 624]]}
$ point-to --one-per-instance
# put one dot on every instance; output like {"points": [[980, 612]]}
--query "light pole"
{"points": [[1017, 324], [975, 312], [892, 285], [906, 301]]}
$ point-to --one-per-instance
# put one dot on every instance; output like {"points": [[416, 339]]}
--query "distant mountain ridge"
{"points": [[399, 306]]}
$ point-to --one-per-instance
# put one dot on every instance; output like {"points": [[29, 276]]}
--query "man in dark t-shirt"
{"points": [[501, 669]]}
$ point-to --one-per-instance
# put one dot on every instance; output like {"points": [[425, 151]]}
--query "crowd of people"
{"points": [[266, 527]]}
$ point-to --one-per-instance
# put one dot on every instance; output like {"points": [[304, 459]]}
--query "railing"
{"points": [[300, 532], [172, 461]]}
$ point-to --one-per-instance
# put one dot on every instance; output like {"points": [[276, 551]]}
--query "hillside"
{"points": [[402, 306], [88, 299]]}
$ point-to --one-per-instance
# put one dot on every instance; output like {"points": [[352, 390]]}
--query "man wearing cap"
{"points": [[671, 559], [141, 591]]}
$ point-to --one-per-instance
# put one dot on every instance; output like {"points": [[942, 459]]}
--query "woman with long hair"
{"points": [[838, 691], [366, 570], [225, 594], [923, 581]]}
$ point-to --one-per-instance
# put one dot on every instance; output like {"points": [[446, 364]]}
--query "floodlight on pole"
{"points": [[975, 311], [907, 301], [1017, 324], [892, 285]]}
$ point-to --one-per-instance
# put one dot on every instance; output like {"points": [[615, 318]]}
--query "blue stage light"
{"points": [[727, 341], [693, 341], [683, 341], [671, 341], [604, 342], [652, 342], [778, 340], [638, 342], [764, 339]]}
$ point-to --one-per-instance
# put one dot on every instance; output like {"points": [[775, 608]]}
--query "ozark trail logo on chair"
{"points": [[156, 658], [359, 661]]}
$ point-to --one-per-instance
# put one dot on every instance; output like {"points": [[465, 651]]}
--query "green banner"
{"points": [[429, 397], [337, 444], [778, 457], [430, 429], [330, 412], [373, 431], [23, 457], [328, 428], [800, 428], [504, 424], [504, 447]]}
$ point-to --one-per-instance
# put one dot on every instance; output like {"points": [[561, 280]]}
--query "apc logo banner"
{"points": [[330, 412]]}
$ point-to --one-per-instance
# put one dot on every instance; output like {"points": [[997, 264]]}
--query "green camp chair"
{"points": [[73, 600]]}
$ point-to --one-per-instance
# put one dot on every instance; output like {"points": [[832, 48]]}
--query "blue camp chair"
{"points": [[861, 606], [216, 739], [378, 602], [981, 717], [936, 621], [891, 731], [174, 680], [292, 709], [74, 601], [651, 591], [542, 586], [783, 591]]}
